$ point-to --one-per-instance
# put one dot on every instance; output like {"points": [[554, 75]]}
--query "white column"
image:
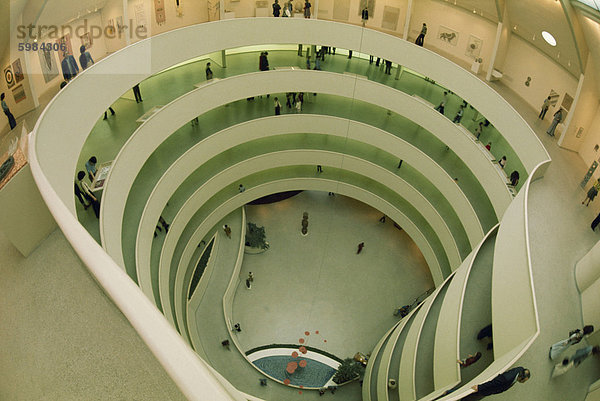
{"points": [[407, 20], [488, 76], [129, 28]]}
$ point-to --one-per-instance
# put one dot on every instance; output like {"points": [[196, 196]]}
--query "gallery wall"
{"points": [[44, 78], [469, 28], [522, 61], [587, 150], [19, 98]]}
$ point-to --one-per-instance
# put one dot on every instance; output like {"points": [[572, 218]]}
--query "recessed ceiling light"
{"points": [[549, 38]]}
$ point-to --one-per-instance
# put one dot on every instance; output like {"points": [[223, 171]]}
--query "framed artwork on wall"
{"points": [[159, 11], [68, 49], [48, 64], [390, 18], [448, 35], [86, 40], [19, 94], [140, 14], [474, 46], [18, 71], [9, 77]]}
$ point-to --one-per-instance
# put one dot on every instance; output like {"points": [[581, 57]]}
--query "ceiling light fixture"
{"points": [[549, 38]]}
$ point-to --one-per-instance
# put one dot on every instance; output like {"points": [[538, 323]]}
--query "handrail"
{"points": [[509, 357], [157, 128], [261, 128], [232, 174], [188, 371]]}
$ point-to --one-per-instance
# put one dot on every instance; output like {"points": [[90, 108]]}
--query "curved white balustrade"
{"points": [[161, 125], [58, 143], [408, 361], [282, 125], [192, 375], [230, 176], [446, 372]]}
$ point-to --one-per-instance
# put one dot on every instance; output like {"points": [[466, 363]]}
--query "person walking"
{"points": [[263, 62], [441, 107], [514, 178], [276, 9], [208, 71], [388, 67], [87, 192], [137, 93], [227, 230], [277, 107], [11, 119], [112, 112], [364, 14], [583, 353], [479, 130], [307, 7], [591, 193], [85, 58], [469, 360], [90, 167], [241, 188], [575, 336], [545, 108], [502, 382], [360, 247], [502, 162], [421, 37], [558, 117], [459, 114]]}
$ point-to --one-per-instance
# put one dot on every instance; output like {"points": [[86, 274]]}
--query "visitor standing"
{"points": [[276, 9], [307, 7], [360, 247], [545, 108], [227, 230], [503, 382], [421, 37], [365, 16], [85, 58], [90, 167], [209, 73], [11, 119], [137, 93], [277, 107], [558, 117], [591, 194]]}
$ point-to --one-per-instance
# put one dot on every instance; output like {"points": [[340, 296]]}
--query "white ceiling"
{"points": [[59, 12]]}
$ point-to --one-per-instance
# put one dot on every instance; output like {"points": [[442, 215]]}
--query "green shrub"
{"points": [[256, 237], [348, 370]]}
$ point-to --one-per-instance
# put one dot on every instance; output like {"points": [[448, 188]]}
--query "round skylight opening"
{"points": [[549, 38]]}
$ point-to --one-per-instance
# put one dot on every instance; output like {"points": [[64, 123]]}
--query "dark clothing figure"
{"points": [[382, 219], [276, 9], [319, 168], [503, 382], [485, 332], [596, 222], [112, 112], [471, 359], [85, 58], [307, 7], [545, 108], [558, 117], [209, 73], [360, 247], [263, 62], [421, 37], [277, 107], [79, 194], [388, 67], [349, 53], [237, 327], [400, 163], [514, 178], [69, 67], [137, 93], [227, 230], [441, 107], [11, 119], [364, 14]]}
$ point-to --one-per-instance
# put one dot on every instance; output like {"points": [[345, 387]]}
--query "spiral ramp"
{"points": [[465, 230]]}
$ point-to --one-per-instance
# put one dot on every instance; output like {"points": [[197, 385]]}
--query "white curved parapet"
{"points": [[148, 137], [57, 143]]}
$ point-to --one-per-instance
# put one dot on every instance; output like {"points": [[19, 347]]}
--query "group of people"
{"points": [[288, 9], [575, 336], [83, 192]]}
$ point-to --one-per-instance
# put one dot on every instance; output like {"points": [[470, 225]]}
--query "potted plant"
{"points": [[255, 239], [348, 370]]}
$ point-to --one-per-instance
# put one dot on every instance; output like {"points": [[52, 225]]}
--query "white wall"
{"points": [[436, 14], [522, 61], [586, 150]]}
